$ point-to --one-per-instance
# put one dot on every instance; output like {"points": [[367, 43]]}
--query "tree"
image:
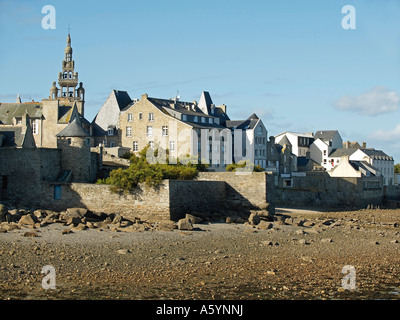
{"points": [[397, 168]]}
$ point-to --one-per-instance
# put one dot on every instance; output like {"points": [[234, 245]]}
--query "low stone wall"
{"points": [[242, 189], [170, 201], [321, 190]]}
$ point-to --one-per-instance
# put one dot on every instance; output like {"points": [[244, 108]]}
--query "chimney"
{"points": [[347, 145], [364, 145], [223, 107]]}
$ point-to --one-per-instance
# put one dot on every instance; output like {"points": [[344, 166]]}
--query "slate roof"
{"points": [[74, 129], [8, 111], [364, 167], [337, 153], [376, 154], [249, 123], [325, 135], [123, 99]]}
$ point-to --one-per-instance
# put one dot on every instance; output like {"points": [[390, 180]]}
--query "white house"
{"points": [[325, 142], [300, 142], [254, 137], [353, 169], [379, 160]]}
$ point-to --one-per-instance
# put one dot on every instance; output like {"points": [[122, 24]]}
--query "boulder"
{"points": [[185, 224], [264, 225], [195, 219], [117, 219], [254, 219], [28, 219], [3, 213], [76, 212]]}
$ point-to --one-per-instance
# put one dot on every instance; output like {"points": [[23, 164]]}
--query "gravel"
{"points": [[215, 260]]}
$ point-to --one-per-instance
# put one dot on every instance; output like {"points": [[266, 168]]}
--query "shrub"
{"points": [[140, 171]]}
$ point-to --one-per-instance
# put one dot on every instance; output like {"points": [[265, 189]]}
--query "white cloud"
{"points": [[386, 135], [377, 101]]}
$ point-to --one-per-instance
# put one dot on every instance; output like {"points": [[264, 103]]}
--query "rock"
{"points": [[327, 240], [73, 220], [79, 227], [3, 213], [230, 220], [76, 212], [166, 225], [185, 224], [28, 219], [394, 241], [66, 231], [117, 219], [298, 221], [300, 232], [38, 214], [302, 241], [31, 234], [264, 225], [194, 219], [308, 224], [254, 218], [122, 251]]}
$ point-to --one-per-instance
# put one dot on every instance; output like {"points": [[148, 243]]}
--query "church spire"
{"points": [[68, 80]]}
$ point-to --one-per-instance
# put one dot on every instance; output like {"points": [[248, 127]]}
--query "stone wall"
{"points": [[318, 189], [24, 169], [249, 190], [171, 201]]}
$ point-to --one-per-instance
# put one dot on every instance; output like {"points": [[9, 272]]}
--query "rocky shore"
{"points": [[294, 254]]}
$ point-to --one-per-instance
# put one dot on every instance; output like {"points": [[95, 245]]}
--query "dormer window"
{"points": [[110, 131]]}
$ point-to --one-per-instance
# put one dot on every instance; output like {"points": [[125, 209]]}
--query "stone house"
{"points": [[180, 127], [250, 139], [106, 129]]}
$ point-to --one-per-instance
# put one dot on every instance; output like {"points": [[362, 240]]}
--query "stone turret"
{"points": [[75, 143]]}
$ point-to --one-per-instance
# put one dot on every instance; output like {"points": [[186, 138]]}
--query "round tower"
{"points": [[76, 157]]}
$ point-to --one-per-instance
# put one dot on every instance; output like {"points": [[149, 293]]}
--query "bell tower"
{"points": [[68, 81]]}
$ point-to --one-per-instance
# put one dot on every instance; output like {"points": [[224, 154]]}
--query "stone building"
{"points": [[250, 140], [180, 127], [51, 115]]}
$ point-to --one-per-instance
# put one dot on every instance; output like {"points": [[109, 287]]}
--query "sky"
{"points": [[290, 62]]}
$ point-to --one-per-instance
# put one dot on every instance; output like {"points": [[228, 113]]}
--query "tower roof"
{"points": [[74, 129]]}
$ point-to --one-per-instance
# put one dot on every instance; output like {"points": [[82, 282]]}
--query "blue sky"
{"points": [[291, 62]]}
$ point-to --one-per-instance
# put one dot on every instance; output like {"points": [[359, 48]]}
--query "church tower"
{"points": [[68, 82]]}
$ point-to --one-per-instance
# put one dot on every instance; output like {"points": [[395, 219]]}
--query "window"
{"points": [[165, 130], [130, 117], [172, 145], [203, 119], [135, 146], [210, 120], [112, 144], [35, 126], [196, 119], [151, 143], [184, 117], [287, 183], [110, 132], [129, 131], [57, 192], [88, 144], [140, 116], [151, 116], [324, 152], [149, 131], [69, 141]]}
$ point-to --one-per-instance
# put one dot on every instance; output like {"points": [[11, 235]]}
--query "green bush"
{"points": [[140, 171], [242, 164]]}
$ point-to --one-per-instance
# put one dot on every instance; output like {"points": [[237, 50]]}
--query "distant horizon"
{"points": [[293, 64]]}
